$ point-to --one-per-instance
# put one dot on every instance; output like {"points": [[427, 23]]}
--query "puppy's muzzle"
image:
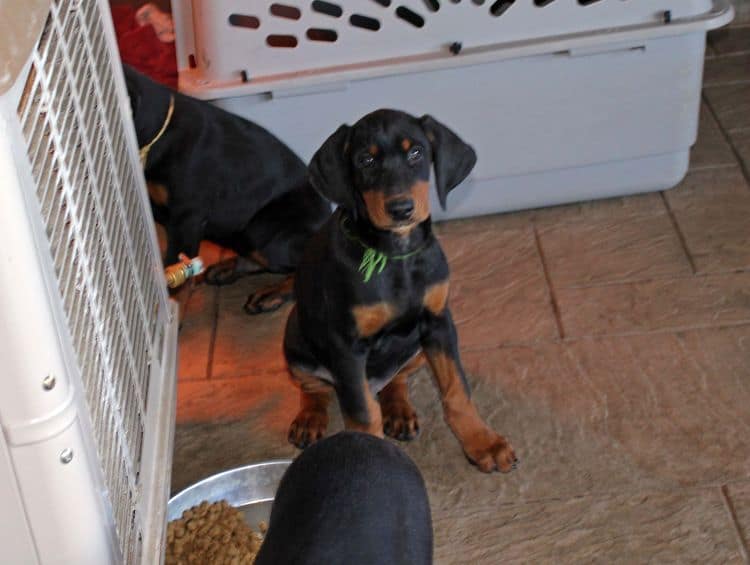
{"points": [[400, 209]]}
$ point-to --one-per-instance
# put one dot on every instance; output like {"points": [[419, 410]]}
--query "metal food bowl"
{"points": [[250, 489]]}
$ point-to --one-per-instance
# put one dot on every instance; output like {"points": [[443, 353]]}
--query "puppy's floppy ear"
{"points": [[134, 91], [452, 158], [329, 169]]}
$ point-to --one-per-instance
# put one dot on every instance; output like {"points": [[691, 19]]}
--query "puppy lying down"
{"points": [[218, 177]]}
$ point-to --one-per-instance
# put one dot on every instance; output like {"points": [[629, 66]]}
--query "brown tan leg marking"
{"points": [[229, 270], [374, 424], [311, 421], [259, 258], [158, 193], [483, 446], [270, 297], [399, 417], [436, 297]]}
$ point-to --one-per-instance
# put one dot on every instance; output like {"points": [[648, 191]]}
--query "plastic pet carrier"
{"points": [[88, 336], [563, 99]]}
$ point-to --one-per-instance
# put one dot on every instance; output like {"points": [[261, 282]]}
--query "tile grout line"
{"points": [[738, 82], [605, 336], [628, 491], [656, 278], [702, 168], [240, 377], [678, 231], [550, 288], [729, 507], [214, 331], [727, 138]]}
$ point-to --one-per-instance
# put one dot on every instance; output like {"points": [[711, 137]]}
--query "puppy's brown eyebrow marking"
{"points": [[406, 144], [373, 150]]}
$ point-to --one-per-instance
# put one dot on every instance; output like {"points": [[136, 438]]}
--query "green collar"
{"points": [[374, 261]]}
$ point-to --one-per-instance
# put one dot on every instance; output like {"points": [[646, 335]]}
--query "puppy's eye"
{"points": [[415, 154], [365, 160]]}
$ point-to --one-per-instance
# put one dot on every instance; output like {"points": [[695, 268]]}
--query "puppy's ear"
{"points": [[329, 169], [134, 91], [452, 158]]}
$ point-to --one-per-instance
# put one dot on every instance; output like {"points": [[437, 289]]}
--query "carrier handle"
{"points": [[586, 51]]}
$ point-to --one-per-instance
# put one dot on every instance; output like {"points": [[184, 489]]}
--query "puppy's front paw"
{"points": [[490, 451], [308, 427], [400, 420]]}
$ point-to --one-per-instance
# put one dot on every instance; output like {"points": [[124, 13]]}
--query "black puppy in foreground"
{"points": [[372, 288], [350, 499], [213, 175]]}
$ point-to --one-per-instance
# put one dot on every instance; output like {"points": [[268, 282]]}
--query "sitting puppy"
{"points": [[215, 176], [372, 287], [350, 499]]}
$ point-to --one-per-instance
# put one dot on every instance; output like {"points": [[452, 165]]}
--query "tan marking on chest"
{"points": [[370, 319], [436, 297]]}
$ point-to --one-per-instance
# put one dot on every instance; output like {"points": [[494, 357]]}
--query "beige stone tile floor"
{"points": [[610, 340]]}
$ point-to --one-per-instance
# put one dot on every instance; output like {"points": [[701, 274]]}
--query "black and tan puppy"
{"points": [[372, 287], [351, 499], [224, 179]]}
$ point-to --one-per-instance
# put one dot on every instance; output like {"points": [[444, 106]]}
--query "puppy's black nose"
{"points": [[400, 209]]}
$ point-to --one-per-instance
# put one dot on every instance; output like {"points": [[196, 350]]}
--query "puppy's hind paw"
{"points": [[263, 303], [222, 273], [270, 298]]}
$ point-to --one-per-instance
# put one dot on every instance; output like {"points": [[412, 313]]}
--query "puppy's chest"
{"points": [[400, 307]]}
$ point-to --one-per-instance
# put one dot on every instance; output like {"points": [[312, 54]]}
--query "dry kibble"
{"points": [[213, 533]]}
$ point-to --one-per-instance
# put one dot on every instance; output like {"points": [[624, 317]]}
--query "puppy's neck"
{"points": [[152, 113], [387, 241]]}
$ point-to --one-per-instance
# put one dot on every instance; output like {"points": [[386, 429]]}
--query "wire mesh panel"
{"points": [[96, 224]]}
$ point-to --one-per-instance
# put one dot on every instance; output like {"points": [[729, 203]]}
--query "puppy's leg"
{"points": [[311, 421], [228, 271], [280, 255], [359, 408], [399, 417], [484, 447], [271, 297]]}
